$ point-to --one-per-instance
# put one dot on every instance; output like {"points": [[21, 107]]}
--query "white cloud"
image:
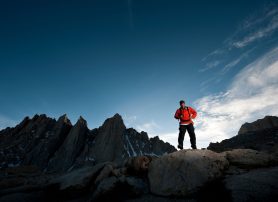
{"points": [[210, 65], [251, 96]]}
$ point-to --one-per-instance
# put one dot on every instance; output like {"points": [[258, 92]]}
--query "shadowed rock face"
{"points": [[59, 146], [45, 148], [261, 135], [268, 122], [65, 156], [109, 142]]}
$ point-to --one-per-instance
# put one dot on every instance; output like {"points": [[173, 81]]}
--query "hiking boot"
{"points": [[180, 146]]}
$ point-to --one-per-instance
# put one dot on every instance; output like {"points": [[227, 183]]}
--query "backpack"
{"points": [[188, 113]]}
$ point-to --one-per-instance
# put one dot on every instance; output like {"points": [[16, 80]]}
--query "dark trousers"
{"points": [[190, 130]]}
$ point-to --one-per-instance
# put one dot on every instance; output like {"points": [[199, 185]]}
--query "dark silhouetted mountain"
{"points": [[261, 135], [60, 146]]}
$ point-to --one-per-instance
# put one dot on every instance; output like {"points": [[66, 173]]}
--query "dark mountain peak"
{"points": [[64, 119], [260, 124], [117, 114], [115, 120], [81, 121], [109, 142], [155, 138], [117, 117], [41, 118], [26, 118], [36, 116], [24, 121]]}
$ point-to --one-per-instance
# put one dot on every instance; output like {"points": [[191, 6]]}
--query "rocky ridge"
{"points": [[59, 146]]}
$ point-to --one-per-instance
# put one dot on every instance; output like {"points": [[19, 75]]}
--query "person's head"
{"points": [[182, 103]]}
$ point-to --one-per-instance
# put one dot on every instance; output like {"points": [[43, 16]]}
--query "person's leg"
{"points": [[182, 130], [191, 132]]}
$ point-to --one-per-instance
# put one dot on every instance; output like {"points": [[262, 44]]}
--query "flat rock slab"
{"points": [[248, 158]]}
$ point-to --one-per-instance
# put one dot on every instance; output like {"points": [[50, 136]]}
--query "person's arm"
{"points": [[193, 112], [177, 114]]}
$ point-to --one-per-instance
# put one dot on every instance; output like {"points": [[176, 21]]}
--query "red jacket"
{"points": [[186, 117]]}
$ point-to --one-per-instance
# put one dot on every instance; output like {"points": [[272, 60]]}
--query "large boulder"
{"points": [[184, 172]]}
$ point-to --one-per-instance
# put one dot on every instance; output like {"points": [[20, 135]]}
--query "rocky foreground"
{"points": [[242, 174]]}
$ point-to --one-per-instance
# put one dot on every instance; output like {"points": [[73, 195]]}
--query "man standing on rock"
{"points": [[185, 114]]}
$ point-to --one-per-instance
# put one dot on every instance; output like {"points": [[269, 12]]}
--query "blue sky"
{"points": [[138, 58]]}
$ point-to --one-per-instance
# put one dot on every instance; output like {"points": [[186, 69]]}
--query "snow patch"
{"points": [[133, 151]]}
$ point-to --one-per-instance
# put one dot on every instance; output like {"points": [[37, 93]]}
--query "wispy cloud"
{"points": [[210, 65], [213, 53], [270, 28], [236, 61], [267, 12], [258, 26]]}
